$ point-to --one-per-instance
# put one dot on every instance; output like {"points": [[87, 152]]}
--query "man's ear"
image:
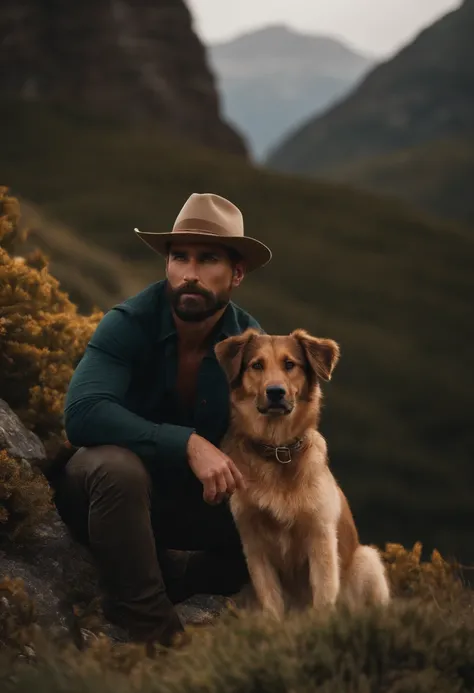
{"points": [[230, 353], [238, 274], [322, 354]]}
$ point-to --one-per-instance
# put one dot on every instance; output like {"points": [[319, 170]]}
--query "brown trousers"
{"points": [[130, 516]]}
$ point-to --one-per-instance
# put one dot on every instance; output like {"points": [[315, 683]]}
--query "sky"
{"points": [[377, 27]]}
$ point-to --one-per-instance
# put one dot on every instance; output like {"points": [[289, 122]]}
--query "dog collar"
{"points": [[282, 453]]}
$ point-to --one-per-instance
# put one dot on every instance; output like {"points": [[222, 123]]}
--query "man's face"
{"points": [[201, 277]]}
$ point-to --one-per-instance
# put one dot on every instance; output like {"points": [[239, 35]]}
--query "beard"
{"points": [[199, 304]]}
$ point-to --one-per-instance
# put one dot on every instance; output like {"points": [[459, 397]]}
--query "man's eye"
{"points": [[289, 365], [257, 366]]}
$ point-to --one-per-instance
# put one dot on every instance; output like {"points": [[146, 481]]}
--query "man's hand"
{"points": [[217, 473]]}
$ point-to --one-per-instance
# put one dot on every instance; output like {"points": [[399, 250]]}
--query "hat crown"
{"points": [[207, 217], [212, 213]]}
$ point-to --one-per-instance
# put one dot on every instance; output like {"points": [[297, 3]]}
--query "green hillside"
{"points": [[437, 176], [394, 288]]}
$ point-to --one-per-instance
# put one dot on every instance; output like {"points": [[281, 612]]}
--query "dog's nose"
{"points": [[275, 393]]}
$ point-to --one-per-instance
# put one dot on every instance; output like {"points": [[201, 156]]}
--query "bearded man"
{"points": [[147, 407]]}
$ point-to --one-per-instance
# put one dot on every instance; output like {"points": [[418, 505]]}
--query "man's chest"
{"points": [[184, 390], [187, 375]]}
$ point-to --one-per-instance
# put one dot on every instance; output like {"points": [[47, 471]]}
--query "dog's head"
{"points": [[274, 377]]}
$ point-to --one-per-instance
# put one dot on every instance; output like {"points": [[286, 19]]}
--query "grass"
{"points": [[436, 176], [392, 286], [412, 647], [94, 275]]}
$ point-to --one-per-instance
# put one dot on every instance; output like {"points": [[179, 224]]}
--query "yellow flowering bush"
{"points": [[410, 576], [42, 336]]}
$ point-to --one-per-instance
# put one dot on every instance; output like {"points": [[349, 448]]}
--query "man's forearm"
{"points": [[92, 422]]}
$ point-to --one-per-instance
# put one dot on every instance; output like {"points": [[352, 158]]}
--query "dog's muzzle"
{"points": [[275, 401]]}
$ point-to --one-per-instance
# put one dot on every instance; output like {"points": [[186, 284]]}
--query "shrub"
{"points": [[25, 497], [42, 336], [409, 576], [18, 627]]}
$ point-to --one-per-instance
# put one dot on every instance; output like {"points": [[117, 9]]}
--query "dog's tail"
{"points": [[366, 581]]}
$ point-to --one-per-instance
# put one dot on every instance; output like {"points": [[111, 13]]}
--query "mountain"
{"points": [[274, 78], [391, 286], [420, 99], [137, 62]]}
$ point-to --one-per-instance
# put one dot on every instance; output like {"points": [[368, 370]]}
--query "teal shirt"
{"points": [[123, 389]]}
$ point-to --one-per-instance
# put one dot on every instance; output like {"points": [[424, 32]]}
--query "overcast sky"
{"points": [[379, 27]]}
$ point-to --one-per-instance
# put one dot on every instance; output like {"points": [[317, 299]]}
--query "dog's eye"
{"points": [[289, 365], [257, 366]]}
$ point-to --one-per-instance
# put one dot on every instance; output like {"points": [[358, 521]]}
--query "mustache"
{"points": [[191, 288]]}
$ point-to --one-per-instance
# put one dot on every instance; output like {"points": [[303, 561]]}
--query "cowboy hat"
{"points": [[206, 217]]}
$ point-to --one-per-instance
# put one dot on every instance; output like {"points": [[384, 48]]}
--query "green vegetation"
{"points": [[436, 176], [415, 646], [392, 287]]}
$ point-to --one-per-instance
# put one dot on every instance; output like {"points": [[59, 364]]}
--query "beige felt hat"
{"points": [[206, 217]]}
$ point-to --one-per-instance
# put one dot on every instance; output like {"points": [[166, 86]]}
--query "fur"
{"points": [[296, 526]]}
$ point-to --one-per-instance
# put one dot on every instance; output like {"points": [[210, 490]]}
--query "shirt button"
{"points": [[203, 402]]}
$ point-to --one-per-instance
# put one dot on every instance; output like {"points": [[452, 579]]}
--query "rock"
{"points": [[56, 571], [17, 440], [135, 61], [59, 575]]}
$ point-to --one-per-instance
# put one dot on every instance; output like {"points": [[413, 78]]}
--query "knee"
{"points": [[112, 467]]}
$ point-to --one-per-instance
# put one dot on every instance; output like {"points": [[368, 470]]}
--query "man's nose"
{"points": [[190, 272], [275, 393]]}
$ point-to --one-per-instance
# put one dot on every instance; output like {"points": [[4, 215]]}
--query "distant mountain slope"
{"points": [[394, 288], [273, 78], [92, 275], [424, 94], [437, 176]]}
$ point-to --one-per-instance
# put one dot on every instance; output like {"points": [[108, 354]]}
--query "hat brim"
{"points": [[255, 254]]}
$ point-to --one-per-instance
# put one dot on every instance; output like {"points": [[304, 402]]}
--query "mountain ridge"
{"points": [[423, 92], [272, 78]]}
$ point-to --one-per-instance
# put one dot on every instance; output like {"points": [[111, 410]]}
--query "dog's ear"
{"points": [[322, 354], [230, 353]]}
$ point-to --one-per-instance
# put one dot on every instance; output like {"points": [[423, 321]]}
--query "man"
{"points": [[147, 407]]}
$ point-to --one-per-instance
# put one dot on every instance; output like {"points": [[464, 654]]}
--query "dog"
{"points": [[297, 530]]}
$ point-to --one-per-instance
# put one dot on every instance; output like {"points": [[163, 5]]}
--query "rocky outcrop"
{"points": [[136, 61], [16, 439]]}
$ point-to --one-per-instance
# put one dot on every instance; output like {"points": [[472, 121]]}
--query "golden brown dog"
{"points": [[296, 526]]}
